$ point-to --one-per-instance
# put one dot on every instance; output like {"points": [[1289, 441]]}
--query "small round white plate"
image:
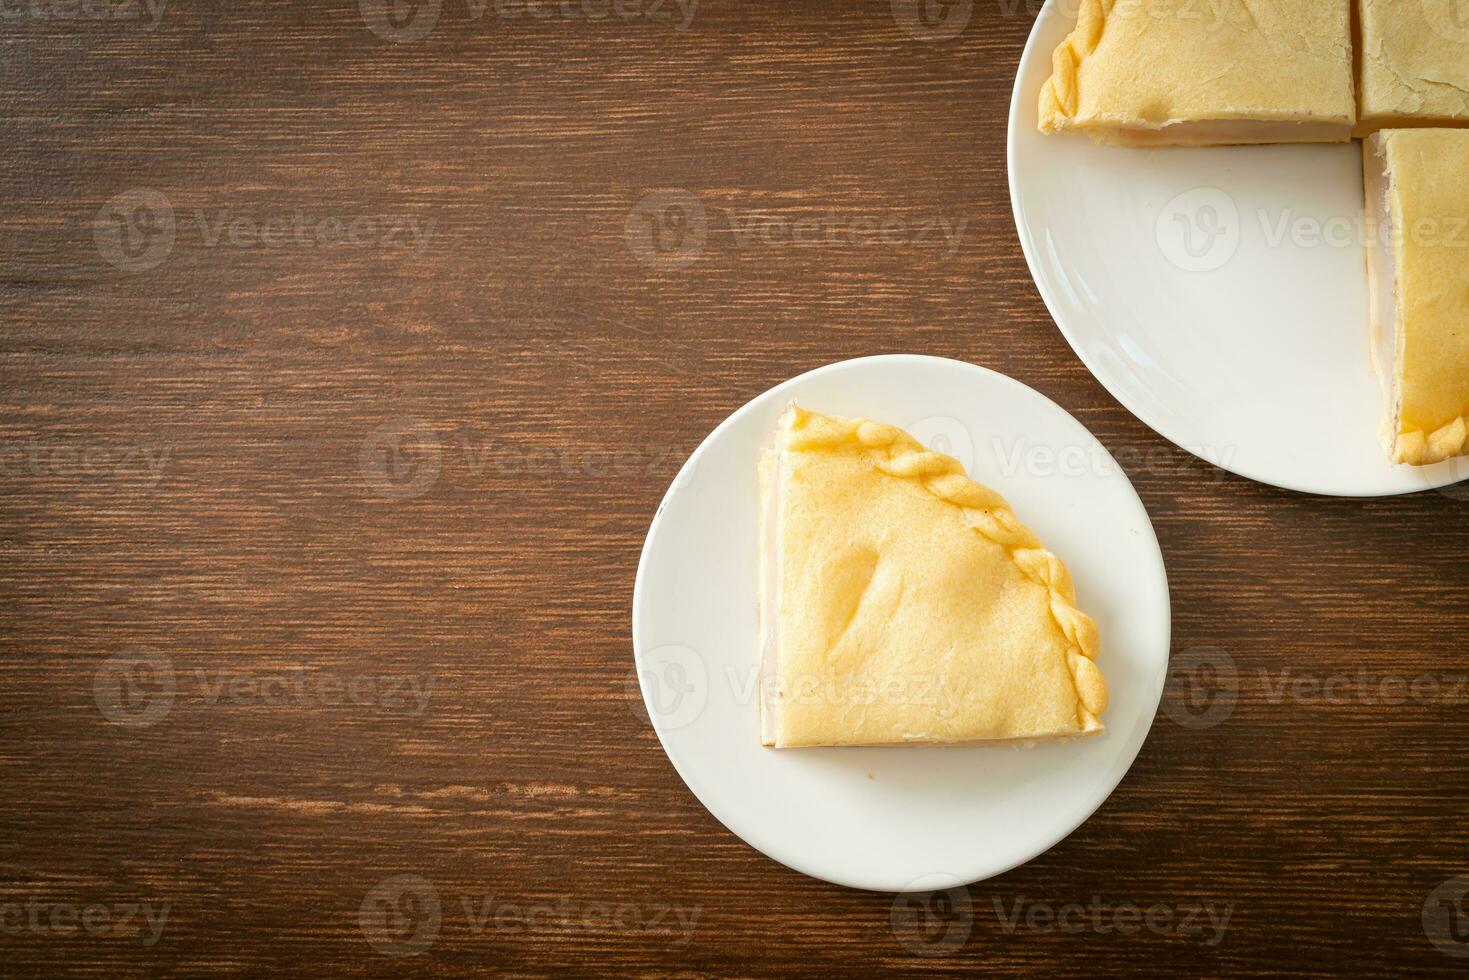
{"points": [[895, 819], [1220, 294]]}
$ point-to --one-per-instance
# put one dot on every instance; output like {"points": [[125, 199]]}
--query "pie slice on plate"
{"points": [[1415, 64], [901, 602], [1417, 184], [1185, 73]]}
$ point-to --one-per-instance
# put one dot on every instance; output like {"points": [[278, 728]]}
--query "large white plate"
{"points": [[895, 819], [1219, 294]]}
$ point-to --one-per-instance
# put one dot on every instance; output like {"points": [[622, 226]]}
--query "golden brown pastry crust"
{"points": [[1154, 72]]}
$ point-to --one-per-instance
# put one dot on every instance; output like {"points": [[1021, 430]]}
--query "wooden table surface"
{"points": [[347, 351]]}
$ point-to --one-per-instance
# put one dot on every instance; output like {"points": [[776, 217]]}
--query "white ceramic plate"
{"points": [[1219, 294], [896, 819]]}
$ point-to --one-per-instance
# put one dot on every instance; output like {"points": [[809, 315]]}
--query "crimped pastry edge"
{"points": [[1419, 448], [1060, 95]]}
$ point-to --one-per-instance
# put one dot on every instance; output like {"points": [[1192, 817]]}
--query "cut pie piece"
{"points": [[1415, 64], [1417, 184], [904, 603], [1184, 73]]}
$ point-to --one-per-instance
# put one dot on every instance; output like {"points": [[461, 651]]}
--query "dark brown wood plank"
{"points": [[183, 479]]}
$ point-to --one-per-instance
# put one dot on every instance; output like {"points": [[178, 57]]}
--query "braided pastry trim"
{"points": [[1419, 448], [1060, 96], [987, 512]]}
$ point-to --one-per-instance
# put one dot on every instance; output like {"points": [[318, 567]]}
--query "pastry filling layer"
{"points": [[1382, 278], [1223, 132]]}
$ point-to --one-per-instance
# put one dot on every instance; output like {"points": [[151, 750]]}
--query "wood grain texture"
{"points": [[193, 457]]}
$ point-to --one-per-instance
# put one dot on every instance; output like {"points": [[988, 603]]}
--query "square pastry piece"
{"points": [[904, 603], [1417, 184], [1415, 63], [1185, 73]]}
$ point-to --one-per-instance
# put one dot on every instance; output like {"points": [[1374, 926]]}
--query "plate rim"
{"points": [[1159, 426], [857, 880]]}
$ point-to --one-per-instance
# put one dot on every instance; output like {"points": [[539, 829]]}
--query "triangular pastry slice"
{"points": [[1417, 184], [1184, 73], [904, 603]]}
